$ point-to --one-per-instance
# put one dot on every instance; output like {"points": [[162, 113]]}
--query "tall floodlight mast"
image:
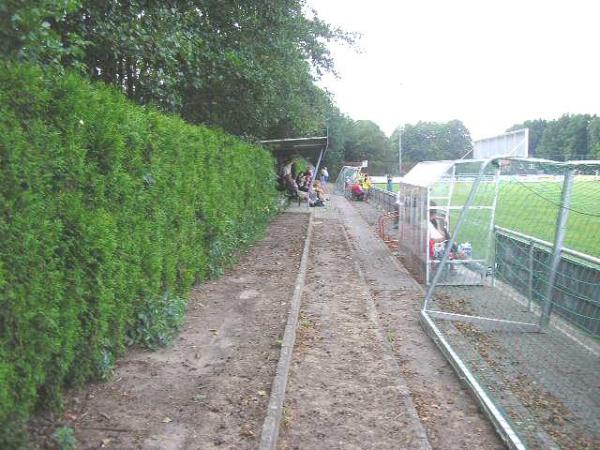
{"points": [[400, 151]]}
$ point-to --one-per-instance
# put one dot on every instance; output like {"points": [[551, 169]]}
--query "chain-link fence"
{"points": [[514, 299], [383, 199]]}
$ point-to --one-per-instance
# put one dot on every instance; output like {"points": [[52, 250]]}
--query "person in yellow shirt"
{"points": [[366, 184]]}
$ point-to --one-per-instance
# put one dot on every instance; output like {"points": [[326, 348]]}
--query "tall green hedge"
{"points": [[106, 210]]}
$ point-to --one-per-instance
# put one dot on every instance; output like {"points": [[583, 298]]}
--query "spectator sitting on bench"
{"points": [[292, 190], [318, 189], [439, 237], [304, 183], [314, 196]]}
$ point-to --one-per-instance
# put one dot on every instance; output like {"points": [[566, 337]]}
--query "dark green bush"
{"points": [[157, 321], [108, 212]]}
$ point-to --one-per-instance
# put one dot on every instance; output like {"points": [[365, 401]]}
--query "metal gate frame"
{"points": [[500, 421]]}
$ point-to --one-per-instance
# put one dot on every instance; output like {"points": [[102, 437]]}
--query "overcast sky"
{"points": [[489, 63]]}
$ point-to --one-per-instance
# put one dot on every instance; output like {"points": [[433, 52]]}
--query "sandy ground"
{"points": [[342, 394], [210, 388]]}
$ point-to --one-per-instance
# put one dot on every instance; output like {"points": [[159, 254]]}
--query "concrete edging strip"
{"points": [[270, 429]]}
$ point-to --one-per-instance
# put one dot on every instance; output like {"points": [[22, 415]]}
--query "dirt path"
{"points": [[364, 373], [210, 389], [342, 392], [449, 412]]}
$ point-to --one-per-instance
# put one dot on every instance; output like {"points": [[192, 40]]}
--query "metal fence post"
{"points": [[559, 237], [530, 276], [495, 259], [316, 174], [491, 259]]}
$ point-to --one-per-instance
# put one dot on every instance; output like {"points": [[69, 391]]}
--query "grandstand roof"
{"points": [[292, 146]]}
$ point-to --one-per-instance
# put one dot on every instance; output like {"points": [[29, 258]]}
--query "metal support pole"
{"points": [[559, 237], [491, 259], [400, 151], [530, 277], [428, 259], [495, 260], [316, 174]]}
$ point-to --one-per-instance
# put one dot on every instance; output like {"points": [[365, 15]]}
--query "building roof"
{"points": [[301, 146]]}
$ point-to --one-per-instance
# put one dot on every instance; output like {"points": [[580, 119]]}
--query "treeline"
{"points": [[248, 67], [354, 141], [430, 141], [423, 141], [570, 137]]}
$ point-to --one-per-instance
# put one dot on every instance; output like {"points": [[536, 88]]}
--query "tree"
{"points": [[536, 130], [577, 137], [29, 31], [248, 67], [458, 141], [568, 137], [366, 141], [594, 138], [430, 141], [338, 128]]}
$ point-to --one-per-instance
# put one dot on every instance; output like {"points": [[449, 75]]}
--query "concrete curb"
{"points": [[389, 356], [270, 429]]}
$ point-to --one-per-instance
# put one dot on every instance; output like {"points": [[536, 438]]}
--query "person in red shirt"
{"points": [[357, 192]]}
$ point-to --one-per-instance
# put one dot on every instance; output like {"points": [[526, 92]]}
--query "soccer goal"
{"points": [[346, 178], [514, 293]]}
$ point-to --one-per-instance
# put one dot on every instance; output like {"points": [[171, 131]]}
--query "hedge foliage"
{"points": [[107, 211]]}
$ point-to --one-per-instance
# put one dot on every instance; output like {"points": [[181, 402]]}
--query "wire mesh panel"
{"points": [[383, 199], [527, 338], [348, 175]]}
